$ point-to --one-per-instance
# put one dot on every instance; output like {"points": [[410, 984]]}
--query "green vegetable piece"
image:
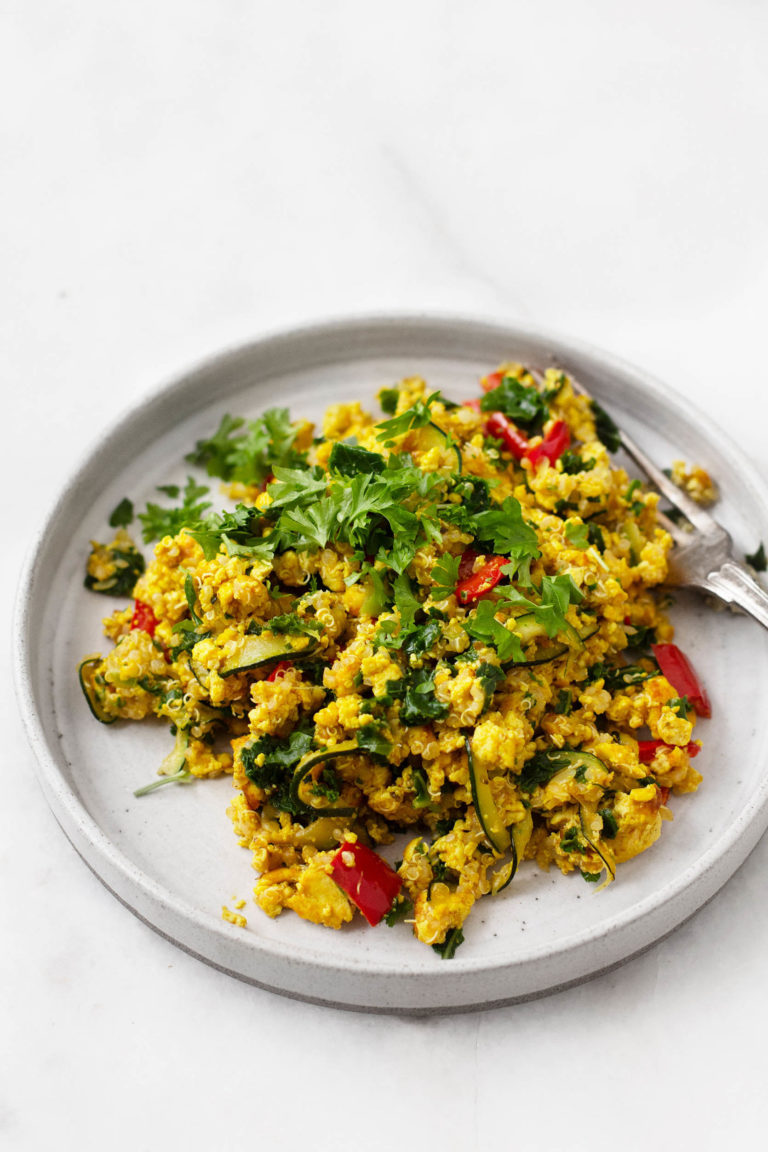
{"points": [[351, 460], [757, 559], [447, 950], [610, 824], [158, 522], [577, 534], [607, 431], [122, 514], [522, 403]]}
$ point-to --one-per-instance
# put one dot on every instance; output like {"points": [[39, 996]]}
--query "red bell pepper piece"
{"points": [[677, 669], [278, 671], [498, 426], [491, 381], [143, 619], [647, 749], [473, 403], [473, 587], [552, 446], [368, 880], [467, 563]]}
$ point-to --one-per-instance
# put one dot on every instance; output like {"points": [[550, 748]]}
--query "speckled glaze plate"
{"points": [[172, 857]]}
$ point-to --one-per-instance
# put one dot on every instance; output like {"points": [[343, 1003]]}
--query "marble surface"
{"points": [[181, 177]]}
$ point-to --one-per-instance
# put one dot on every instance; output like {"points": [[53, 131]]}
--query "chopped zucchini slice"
{"points": [[92, 690], [254, 651], [528, 628], [495, 831], [520, 834], [311, 765], [432, 436]]}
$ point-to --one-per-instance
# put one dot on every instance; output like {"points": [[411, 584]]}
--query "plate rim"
{"points": [[711, 870]]}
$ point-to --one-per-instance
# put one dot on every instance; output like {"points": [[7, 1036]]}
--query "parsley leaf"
{"points": [[483, 625], [445, 575], [158, 522], [577, 534], [416, 417], [556, 593], [350, 459], [506, 529], [122, 515], [252, 455], [238, 531]]}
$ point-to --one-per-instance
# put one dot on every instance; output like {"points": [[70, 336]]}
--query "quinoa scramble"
{"points": [[439, 628]]}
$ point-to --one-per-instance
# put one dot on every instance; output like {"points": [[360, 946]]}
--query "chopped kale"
{"points": [[564, 702], [572, 842], [416, 691], [422, 798], [522, 403], [489, 676], [542, 766], [401, 907], [610, 824], [276, 772], [607, 431], [370, 740], [595, 536], [642, 637], [572, 463], [124, 564], [447, 950]]}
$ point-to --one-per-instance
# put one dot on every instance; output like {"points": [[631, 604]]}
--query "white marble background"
{"points": [[179, 176]]}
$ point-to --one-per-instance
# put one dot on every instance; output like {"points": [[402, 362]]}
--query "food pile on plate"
{"points": [[437, 629]]}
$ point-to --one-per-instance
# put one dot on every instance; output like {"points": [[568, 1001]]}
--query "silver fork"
{"points": [[703, 554]]}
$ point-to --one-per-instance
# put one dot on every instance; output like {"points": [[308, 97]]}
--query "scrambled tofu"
{"points": [[437, 626]]}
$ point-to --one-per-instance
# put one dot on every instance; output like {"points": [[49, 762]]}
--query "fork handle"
{"points": [[734, 584]]}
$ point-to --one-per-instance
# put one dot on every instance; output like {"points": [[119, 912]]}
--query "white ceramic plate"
{"points": [[172, 856]]}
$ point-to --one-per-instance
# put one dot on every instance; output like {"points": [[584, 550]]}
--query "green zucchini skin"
{"points": [[433, 435], [312, 760], [255, 651], [88, 690], [520, 834], [529, 629], [587, 836], [495, 831]]}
